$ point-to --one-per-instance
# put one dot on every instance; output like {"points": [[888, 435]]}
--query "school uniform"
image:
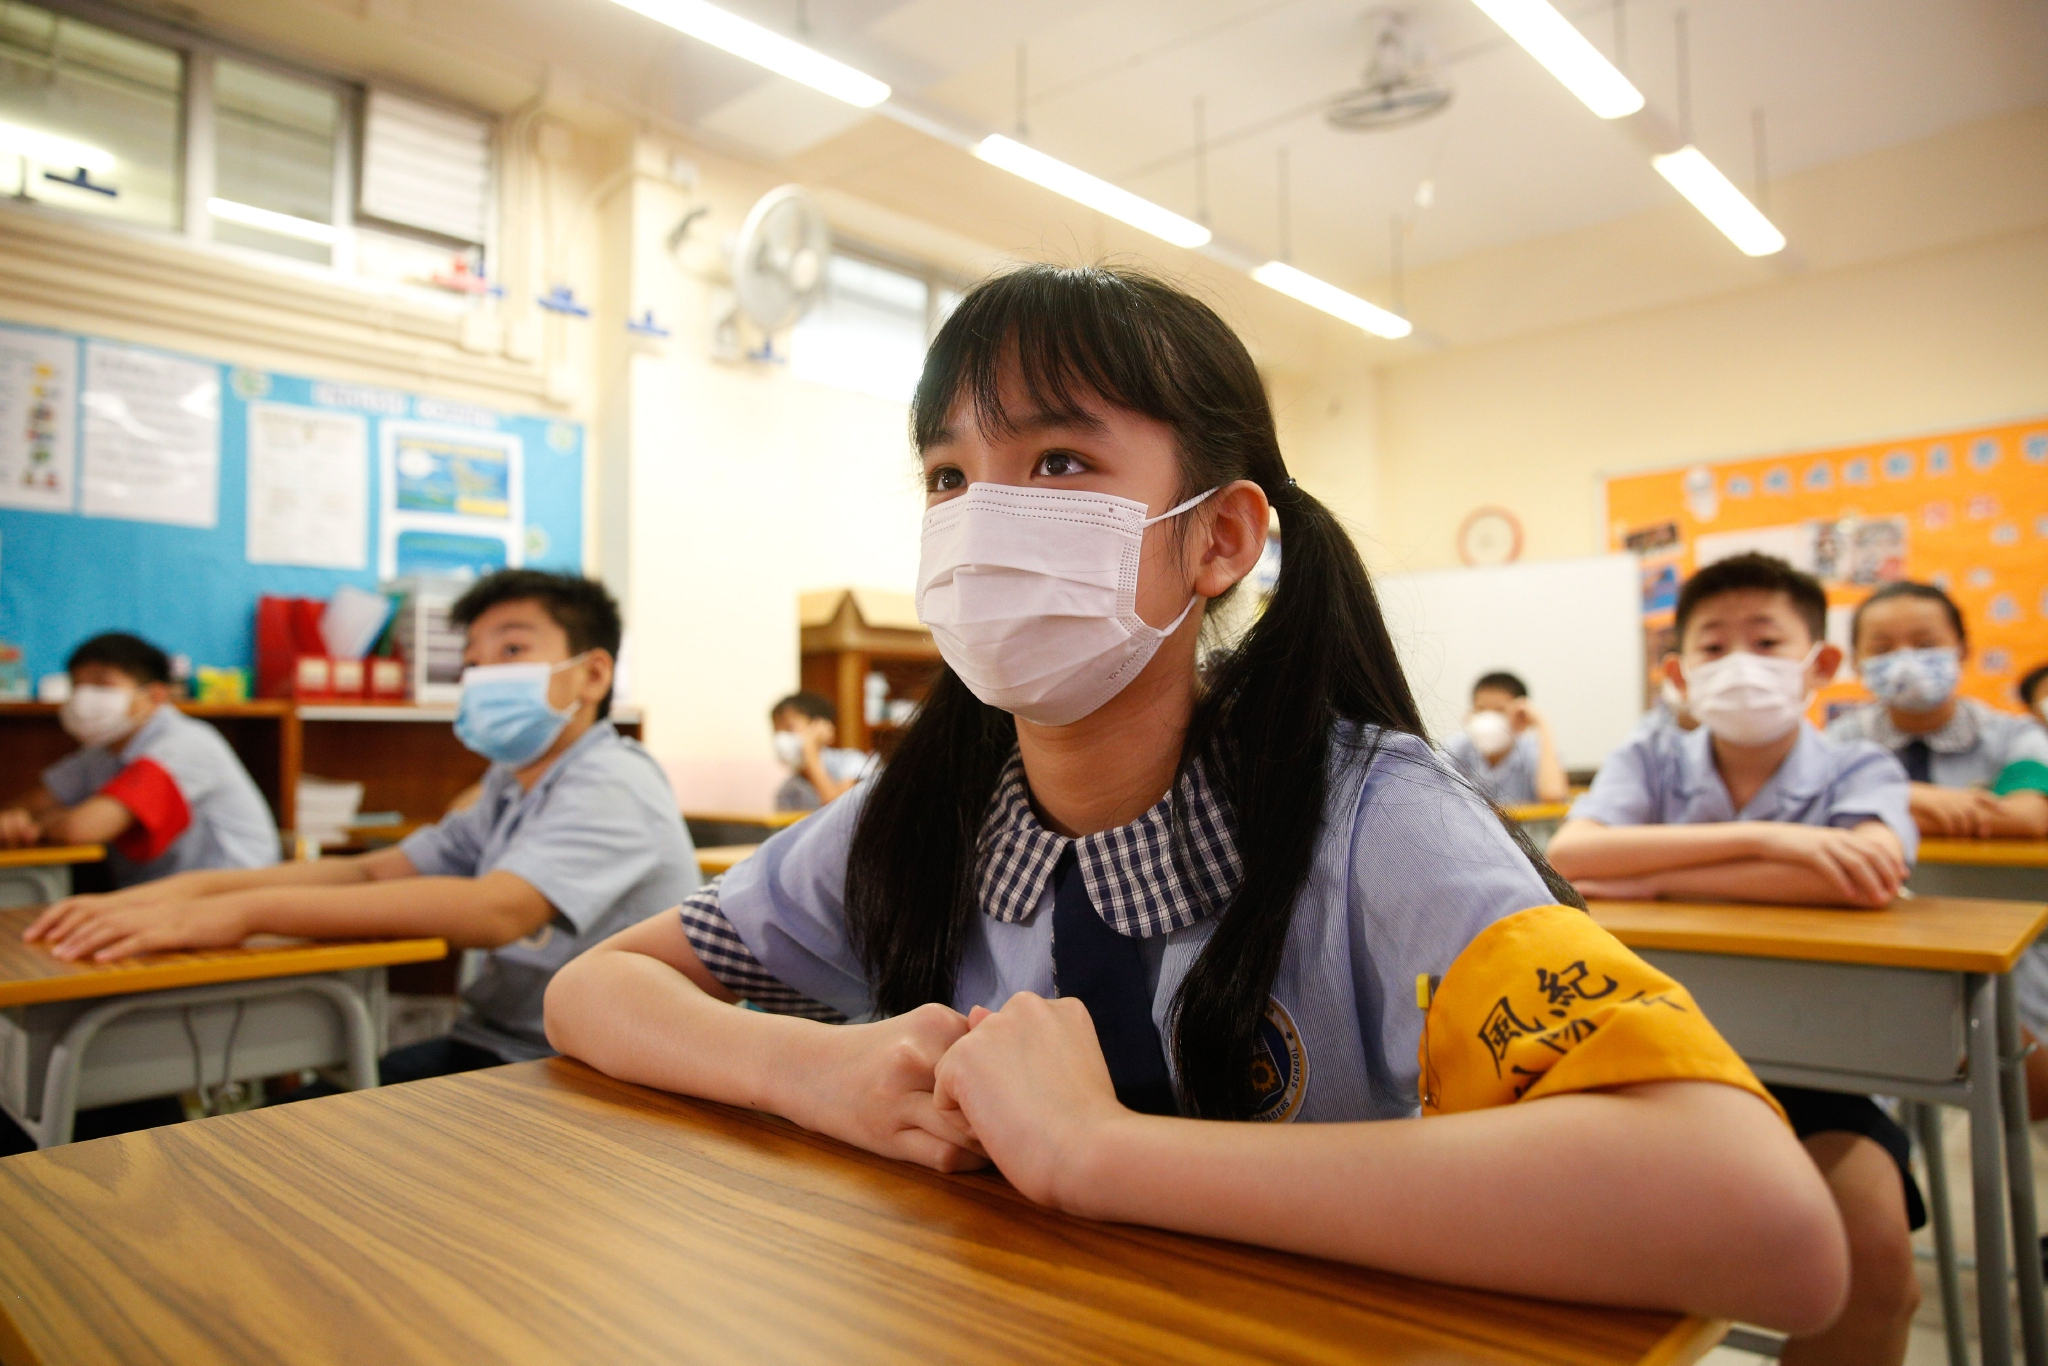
{"points": [[1979, 747], [1512, 781], [598, 836], [1666, 776], [194, 804], [1412, 877], [841, 766]]}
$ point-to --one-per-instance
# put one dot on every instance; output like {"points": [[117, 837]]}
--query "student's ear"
{"points": [[597, 677], [1674, 671], [1825, 664], [156, 693], [1237, 537]]}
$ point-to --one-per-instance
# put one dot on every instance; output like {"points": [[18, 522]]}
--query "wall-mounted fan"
{"points": [[779, 258], [1399, 86]]}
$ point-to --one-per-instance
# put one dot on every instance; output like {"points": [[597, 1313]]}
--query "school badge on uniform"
{"points": [[1279, 1067]]}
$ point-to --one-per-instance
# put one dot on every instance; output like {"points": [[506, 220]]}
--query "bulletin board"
{"points": [[149, 491], [1967, 510]]}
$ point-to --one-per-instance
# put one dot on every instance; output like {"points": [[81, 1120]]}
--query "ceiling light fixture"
{"points": [[764, 47], [284, 224], [1299, 284], [51, 150], [1714, 195], [1551, 39], [1078, 185]]}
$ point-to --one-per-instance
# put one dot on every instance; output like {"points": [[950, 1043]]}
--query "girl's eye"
{"points": [[944, 479], [1053, 464]]}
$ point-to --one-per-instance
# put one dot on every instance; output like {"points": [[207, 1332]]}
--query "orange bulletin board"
{"points": [[1967, 510]]}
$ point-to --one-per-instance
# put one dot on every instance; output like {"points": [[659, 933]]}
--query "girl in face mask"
{"points": [[1977, 772], [1094, 901]]}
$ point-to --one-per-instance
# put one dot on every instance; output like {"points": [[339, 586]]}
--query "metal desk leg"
{"points": [[1987, 1170], [2019, 1173], [1927, 1130]]}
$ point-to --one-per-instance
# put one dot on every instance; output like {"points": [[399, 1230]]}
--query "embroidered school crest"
{"points": [[1279, 1067]]}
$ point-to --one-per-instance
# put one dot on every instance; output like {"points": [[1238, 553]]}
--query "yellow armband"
{"points": [[1546, 1002]]}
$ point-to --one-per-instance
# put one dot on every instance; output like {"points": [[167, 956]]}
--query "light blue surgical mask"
{"points": [[505, 715], [1914, 680]]}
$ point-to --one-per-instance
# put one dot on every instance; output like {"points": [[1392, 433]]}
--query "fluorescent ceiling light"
{"points": [[51, 150], [764, 47], [1299, 284], [283, 224], [1083, 188], [1714, 195], [1551, 39]]}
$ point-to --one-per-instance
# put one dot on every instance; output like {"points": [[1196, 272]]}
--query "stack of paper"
{"points": [[327, 809]]}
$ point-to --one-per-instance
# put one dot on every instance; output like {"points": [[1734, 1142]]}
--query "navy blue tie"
{"points": [[1106, 971], [1919, 761]]}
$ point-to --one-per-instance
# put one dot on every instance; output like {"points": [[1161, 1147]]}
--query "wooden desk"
{"points": [[541, 1213], [42, 873], [720, 858], [2011, 869], [77, 1035], [1538, 811], [1908, 1001]]}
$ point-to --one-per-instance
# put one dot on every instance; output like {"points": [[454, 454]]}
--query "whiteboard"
{"points": [[1571, 629]]}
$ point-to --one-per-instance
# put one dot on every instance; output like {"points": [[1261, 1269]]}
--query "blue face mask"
{"points": [[1913, 680], [505, 714]]}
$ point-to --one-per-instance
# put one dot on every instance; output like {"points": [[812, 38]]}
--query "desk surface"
{"points": [[29, 975], [47, 855], [1987, 853], [774, 820], [1949, 934], [1538, 811], [714, 859], [541, 1213]]}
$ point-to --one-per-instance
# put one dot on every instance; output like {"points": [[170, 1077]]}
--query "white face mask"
{"points": [[1490, 732], [789, 748], [1032, 596], [1749, 699], [97, 713]]}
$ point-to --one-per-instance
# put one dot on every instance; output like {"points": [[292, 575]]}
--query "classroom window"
{"points": [[274, 147], [869, 333], [89, 117]]}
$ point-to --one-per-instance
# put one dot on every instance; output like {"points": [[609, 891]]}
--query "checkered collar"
{"points": [[1137, 884], [1957, 735]]}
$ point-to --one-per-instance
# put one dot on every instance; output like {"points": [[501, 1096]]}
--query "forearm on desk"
{"points": [[1557, 1198], [1588, 849], [2022, 816], [483, 912], [1761, 880]]}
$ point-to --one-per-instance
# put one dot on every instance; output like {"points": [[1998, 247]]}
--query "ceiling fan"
{"points": [[1399, 85]]}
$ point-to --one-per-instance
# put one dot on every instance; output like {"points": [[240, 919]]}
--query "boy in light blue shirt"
{"points": [[1756, 805], [1505, 747]]}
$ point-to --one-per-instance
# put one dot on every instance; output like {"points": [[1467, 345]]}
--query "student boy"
{"points": [[162, 789], [805, 726], [1505, 748], [1756, 805], [575, 836]]}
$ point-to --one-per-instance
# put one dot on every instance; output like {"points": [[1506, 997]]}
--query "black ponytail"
{"points": [[1319, 655]]}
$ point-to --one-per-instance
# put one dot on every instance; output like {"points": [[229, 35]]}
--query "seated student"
{"points": [[1977, 772], [576, 836], [805, 726], [1757, 806], [1506, 746], [1233, 886], [164, 790], [2033, 692]]}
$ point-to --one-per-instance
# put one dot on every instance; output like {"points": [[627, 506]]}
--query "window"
{"points": [[273, 161], [89, 117], [869, 333]]}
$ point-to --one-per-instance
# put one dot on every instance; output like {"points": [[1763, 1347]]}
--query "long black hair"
{"points": [[1267, 715]]}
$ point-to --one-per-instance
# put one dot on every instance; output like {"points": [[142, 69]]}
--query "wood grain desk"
{"points": [[77, 1035], [42, 872], [1908, 1001], [720, 858], [541, 1213], [2008, 869]]}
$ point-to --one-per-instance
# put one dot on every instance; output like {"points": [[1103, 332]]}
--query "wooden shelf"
{"points": [[839, 646]]}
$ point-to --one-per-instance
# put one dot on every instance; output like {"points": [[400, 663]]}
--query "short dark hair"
{"points": [[1755, 571], [1503, 680], [132, 655], [1905, 588], [583, 608], [817, 706], [2036, 676]]}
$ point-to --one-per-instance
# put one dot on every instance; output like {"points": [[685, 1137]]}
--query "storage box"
{"points": [[430, 643]]}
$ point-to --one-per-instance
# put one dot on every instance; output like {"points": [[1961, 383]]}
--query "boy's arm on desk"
{"points": [[1788, 864]]}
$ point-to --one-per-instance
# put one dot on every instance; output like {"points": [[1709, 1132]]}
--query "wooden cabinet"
{"points": [[848, 633]]}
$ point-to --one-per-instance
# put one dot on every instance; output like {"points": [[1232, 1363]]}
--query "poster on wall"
{"points": [[453, 500], [309, 487], [151, 438], [1967, 510], [38, 420]]}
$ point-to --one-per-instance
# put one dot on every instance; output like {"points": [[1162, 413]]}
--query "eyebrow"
{"points": [[1036, 423]]}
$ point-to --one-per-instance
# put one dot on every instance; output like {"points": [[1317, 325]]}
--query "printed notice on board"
{"points": [[452, 500], [38, 434], [309, 487], [151, 443]]}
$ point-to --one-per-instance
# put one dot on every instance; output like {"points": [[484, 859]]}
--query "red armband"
{"points": [[153, 797]]}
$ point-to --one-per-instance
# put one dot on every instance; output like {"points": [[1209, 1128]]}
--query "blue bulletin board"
{"points": [[192, 589]]}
